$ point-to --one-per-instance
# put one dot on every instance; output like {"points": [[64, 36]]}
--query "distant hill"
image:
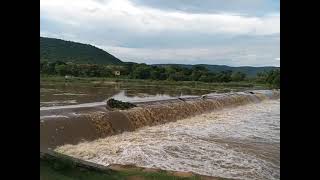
{"points": [[67, 51], [249, 70], [56, 49]]}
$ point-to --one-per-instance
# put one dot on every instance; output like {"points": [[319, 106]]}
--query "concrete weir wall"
{"points": [[71, 125]]}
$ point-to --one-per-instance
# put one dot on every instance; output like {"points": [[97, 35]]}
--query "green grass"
{"points": [[56, 166], [57, 171], [180, 84], [64, 170]]}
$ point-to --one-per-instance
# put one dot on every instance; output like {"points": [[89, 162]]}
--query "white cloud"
{"points": [[140, 33], [122, 14], [232, 55], [248, 7]]}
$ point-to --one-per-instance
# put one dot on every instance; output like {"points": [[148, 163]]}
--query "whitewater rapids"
{"points": [[241, 142]]}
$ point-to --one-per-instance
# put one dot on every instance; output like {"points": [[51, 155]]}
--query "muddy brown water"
{"points": [[228, 135], [240, 142], [74, 123], [60, 94]]}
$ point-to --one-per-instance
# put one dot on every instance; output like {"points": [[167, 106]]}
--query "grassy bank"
{"points": [[56, 170], [61, 168], [180, 84]]}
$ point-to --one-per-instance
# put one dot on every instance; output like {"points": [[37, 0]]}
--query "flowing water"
{"points": [[241, 142], [61, 94], [57, 94]]}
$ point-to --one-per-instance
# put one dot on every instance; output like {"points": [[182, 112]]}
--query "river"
{"points": [[241, 142]]}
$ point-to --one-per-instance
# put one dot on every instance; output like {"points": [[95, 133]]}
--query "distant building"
{"points": [[116, 73]]}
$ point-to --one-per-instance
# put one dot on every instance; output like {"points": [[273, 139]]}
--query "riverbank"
{"points": [[181, 84], [58, 166]]}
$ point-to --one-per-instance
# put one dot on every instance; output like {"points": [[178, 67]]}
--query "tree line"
{"points": [[144, 71], [272, 78]]}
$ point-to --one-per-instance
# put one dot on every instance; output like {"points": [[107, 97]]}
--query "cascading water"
{"points": [[240, 142], [159, 113], [71, 125]]}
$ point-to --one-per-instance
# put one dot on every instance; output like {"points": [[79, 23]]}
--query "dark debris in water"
{"points": [[115, 104]]}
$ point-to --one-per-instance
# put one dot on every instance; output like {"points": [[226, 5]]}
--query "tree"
{"points": [[144, 71], [224, 76], [44, 67], [61, 69], [200, 68], [141, 72], [238, 76], [271, 78]]}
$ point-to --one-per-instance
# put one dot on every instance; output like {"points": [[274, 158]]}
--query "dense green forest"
{"points": [[144, 71], [59, 57], [248, 70], [59, 50], [272, 78], [53, 50]]}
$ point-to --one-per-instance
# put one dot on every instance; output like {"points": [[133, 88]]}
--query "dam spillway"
{"points": [[241, 142], [88, 122]]}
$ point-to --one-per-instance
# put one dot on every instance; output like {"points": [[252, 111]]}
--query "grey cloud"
{"points": [[246, 7], [166, 44], [242, 53]]}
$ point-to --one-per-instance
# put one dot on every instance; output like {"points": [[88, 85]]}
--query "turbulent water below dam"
{"points": [[240, 142]]}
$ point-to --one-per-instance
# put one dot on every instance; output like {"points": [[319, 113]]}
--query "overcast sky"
{"points": [[223, 32]]}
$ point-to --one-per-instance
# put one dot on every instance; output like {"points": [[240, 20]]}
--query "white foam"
{"points": [[242, 143], [69, 94], [53, 116], [94, 104], [122, 96]]}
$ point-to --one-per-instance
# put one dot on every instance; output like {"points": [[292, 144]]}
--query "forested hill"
{"points": [[53, 50], [248, 70]]}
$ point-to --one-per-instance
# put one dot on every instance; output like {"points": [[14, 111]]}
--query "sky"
{"points": [[221, 32]]}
